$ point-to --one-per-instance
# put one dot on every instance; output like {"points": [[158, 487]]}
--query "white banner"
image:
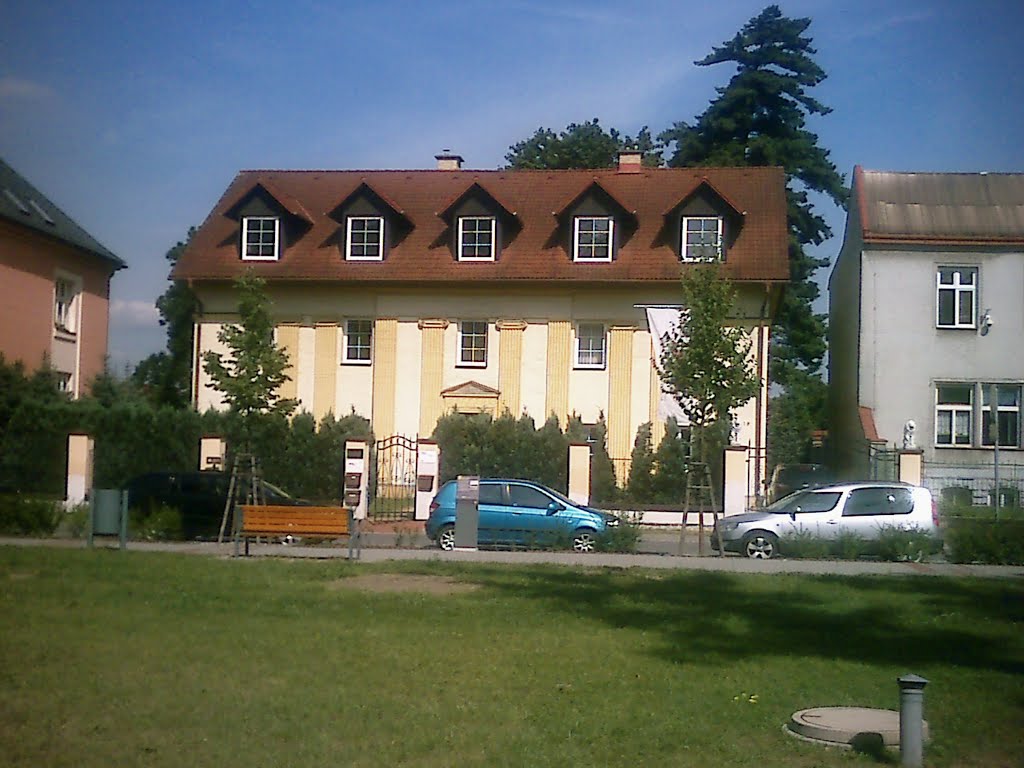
{"points": [[661, 321]]}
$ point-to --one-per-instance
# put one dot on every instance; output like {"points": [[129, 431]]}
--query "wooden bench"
{"points": [[307, 522]]}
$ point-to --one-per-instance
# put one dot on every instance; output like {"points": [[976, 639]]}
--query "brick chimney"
{"points": [[631, 161], [448, 161]]}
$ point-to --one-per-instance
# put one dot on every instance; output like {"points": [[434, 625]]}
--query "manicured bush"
{"points": [[980, 538], [502, 447]]}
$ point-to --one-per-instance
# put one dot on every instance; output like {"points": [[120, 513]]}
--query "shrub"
{"points": [[162, 523], [623, 537], [984, 540], [805, 545], [899, 545], [75, 521], [849, 546], [28, 516]]}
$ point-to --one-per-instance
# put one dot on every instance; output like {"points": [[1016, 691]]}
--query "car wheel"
{"points": [[446, 538], [760, 545], [584, 540]]}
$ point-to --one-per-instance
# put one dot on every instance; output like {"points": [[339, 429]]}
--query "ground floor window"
{"points": [[964, 414]]}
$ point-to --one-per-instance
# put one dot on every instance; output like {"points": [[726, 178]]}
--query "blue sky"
{"points": [[134, 117]]}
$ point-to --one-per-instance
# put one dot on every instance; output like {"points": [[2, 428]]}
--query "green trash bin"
{"points": [[108, 514]]}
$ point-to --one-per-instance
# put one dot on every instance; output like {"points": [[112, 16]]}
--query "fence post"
{"points": [[909, 465], [79, 473], [736, 492], [428, 467], [212, 452], [579, 473]]}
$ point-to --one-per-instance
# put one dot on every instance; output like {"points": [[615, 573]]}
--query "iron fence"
{"points": [[974, 484]]}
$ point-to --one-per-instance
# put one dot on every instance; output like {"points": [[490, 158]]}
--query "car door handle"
{"points": [[832, 522]]}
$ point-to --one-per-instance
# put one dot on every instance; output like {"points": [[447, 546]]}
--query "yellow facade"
{"points": [[532, 361]]}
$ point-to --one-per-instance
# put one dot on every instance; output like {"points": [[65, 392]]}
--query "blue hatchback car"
{"points": [[521, 513]]}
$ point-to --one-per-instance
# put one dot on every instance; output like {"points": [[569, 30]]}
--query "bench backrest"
{"points": [[282, 520]]}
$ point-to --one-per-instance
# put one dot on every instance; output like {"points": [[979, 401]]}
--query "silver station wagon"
{"points": [[861, 509]]}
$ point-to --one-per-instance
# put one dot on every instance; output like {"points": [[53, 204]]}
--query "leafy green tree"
{"points": [[793, 415], [166, 376], [705, 365], [759, 119], [580, 145], [250, 376]]}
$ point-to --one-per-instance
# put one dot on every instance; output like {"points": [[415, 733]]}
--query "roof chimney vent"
{"points": [[630, 160], [448, 161]]}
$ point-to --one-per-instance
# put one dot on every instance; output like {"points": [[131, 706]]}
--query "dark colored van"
{"points": [[199, 496], [787, 478]]}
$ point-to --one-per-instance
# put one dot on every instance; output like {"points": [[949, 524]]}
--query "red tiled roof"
{"points": [[867, 424], [535, 253]]}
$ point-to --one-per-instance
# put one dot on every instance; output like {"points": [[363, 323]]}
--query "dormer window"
{"points": [[593, 237], [476, 238], [261, 236], [701, 238], [365, 238]]}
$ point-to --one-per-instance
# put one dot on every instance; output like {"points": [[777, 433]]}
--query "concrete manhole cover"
{"points": [[843, 725]]}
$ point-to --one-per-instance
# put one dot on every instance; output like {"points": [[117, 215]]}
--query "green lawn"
{"points": [[142, 659]]}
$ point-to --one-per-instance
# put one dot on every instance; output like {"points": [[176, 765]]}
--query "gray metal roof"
{"points": [[23, 204], [941, 206]]}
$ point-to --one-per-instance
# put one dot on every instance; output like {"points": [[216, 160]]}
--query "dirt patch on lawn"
{"points": [[404, 582]]}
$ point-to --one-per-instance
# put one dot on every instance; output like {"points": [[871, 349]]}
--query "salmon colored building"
{"points": [[54, 287]]}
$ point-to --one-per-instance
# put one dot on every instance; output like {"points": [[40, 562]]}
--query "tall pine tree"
{"points": [[759, 119], [165, 377]]}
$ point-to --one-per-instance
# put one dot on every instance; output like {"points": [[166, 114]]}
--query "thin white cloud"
{"points": [[133, 312], [19, 89], [580, 13], [878, 26]]}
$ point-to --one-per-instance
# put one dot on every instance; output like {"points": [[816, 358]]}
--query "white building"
{"points": [[926, 315]]}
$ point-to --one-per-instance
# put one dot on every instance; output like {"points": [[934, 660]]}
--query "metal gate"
{"points": [[883, 462], [392, 485]]}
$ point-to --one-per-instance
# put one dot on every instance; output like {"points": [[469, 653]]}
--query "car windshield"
{"points": [[805, 501]]}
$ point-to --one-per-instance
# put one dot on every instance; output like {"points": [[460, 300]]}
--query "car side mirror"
{"points": [[554, 508]]}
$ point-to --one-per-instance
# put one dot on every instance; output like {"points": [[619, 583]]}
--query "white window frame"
{"points": [[579, 349], [577, 245], [66, 303], [348, 349], [463, 220], [1013, 408], [685, 246], [246, 220], [952, 411], [958, 288], [349, 256], [473, 333]]}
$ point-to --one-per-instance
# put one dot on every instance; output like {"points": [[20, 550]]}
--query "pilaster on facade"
{"points": [[510, 365], [620, 388], [385, 332], [325, 368], [431, 373], [288, 342], [559, 356]]}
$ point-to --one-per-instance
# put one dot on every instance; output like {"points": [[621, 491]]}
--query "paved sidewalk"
{"points": [[730, 564]]}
